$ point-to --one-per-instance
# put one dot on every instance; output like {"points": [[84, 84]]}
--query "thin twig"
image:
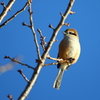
{"points": [[14, 15], [56, 64], [24, 24], [51, 64], [10, 97], [43, 43], [44, 55], [6, 9], [23, 75], [71, 12], [14, 60], [57, 59], [67, 24], [50, 26], [33, 31], [60, 61]]}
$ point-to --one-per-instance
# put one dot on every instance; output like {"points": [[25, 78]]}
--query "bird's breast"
{"points": [[69, 47]]}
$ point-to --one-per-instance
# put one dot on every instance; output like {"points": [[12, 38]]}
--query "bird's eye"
{"points": [[72, 33]]}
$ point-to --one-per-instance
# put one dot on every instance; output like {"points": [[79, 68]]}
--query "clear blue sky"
{"points": [[82, 80]]}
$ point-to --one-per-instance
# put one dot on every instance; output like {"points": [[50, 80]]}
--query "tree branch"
{"points": [[6, 9], [51, 64], [10, 97], [60, 61], [43, 43], [33, 31], [57, 59], [14, 60], [44, 55], [14, 15], [21, 72]]}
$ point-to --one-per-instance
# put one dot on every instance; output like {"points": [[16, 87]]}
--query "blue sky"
{"points": [[82, 80]]}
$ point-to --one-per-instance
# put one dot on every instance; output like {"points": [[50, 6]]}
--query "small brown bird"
{"points": [[69, 49]]}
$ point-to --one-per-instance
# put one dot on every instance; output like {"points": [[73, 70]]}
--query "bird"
{"points": [[69, 50]]}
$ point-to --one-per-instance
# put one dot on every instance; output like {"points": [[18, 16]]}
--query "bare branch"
{"points": [[21, 72], [56, 64], [67, 24], [10, 97], [14, 60], [51, 64], [69, 60], [71, 12], [43, 43], [6, 9], [40, 32], [59, 62], [51, 26], [24, 24], [61, 14], [33, 31], [3, 4], [44, 55], [14, 15], [57, 59]]}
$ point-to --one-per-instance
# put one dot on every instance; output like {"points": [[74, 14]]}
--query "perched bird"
{"points": [[69, 49]]}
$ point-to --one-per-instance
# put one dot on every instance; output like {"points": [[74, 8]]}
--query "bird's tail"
{"points": [[58, 79]]}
